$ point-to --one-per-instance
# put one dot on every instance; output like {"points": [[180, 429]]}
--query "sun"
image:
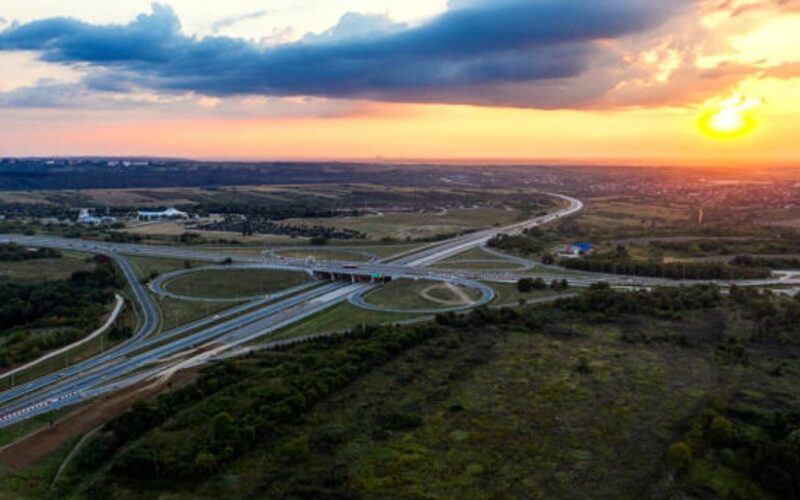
{"points": [[730, 119]]}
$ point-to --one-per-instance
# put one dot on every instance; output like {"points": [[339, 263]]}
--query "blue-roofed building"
{"points": [[581, 248]]}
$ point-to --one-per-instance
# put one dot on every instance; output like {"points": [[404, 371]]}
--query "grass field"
{"points": [[145, 267], [341, 317], [170, 230], [607, 219], [479, 266], [508, 295], [234, 283], [419, 225], [474, 253], [41, 270], [175, 313], [408, 294], [613, 212]]}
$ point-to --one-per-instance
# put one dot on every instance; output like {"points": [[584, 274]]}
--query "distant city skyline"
{"points": [[628, 81]]}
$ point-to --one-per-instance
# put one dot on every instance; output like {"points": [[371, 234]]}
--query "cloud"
{"points": [[528, 53], [45, 94], [737, 8], [227, 22], [785, 71], [354, 25]]}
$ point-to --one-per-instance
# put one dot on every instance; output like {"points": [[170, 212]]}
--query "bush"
{"points": [[721, 430], [680, 455]]}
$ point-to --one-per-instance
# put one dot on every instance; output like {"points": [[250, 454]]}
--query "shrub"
{"points": [[721, 430], [680, 455]]}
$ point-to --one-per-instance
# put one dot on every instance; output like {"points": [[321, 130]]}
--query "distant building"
{"points": [[85, 216], [135, 163], [168, 214], [581, 248]]}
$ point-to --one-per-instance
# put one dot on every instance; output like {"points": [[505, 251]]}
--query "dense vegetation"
{"points": [[250, 226], [766, 262], [11, 252], [743, 450], [787, 243], [531, 242], [535, 242], [40, 317], [504, 402], [35, 210], [277, 212], [614, 264]]}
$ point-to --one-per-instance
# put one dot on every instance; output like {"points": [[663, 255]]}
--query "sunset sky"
{"points": [[629, 81]]}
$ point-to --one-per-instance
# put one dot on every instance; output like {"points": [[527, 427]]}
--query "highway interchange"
{"points": [[147, 356]]}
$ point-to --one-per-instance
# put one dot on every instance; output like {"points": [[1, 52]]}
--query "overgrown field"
{"points": [[605, 395]]}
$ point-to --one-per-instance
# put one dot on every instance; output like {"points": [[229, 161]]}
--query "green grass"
{"points": [[175, 313], [145, 267], [42, 270], [407, 294], [507, 294], [235, 283], [479, 266], [474, 253], [341, 317]]}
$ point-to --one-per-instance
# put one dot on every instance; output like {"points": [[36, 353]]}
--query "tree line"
{"points": [[70, 308], [12, 252], [612, 264]]}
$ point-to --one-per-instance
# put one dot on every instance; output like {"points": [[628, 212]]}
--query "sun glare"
{"points": [[729, 119]]}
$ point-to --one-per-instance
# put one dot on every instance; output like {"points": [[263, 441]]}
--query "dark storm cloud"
{"points": [[470, 54]]}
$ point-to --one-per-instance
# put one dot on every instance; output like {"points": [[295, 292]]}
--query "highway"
{"points": [[140, 356], [146, 356]]}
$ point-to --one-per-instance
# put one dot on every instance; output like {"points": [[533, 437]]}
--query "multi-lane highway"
{"points": [[147, 356]]}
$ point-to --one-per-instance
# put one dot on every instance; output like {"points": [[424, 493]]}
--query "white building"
{"points": [[85, 216], [168, 214]]}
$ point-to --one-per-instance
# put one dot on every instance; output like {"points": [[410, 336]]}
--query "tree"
{"points": [[525, 285], [721, 430], [205, 462], [223, 427]]}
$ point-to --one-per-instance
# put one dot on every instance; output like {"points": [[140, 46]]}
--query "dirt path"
{"points": [[463, 298]]}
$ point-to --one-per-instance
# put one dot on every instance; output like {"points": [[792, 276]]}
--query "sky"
{"points": [[683, 82]]}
